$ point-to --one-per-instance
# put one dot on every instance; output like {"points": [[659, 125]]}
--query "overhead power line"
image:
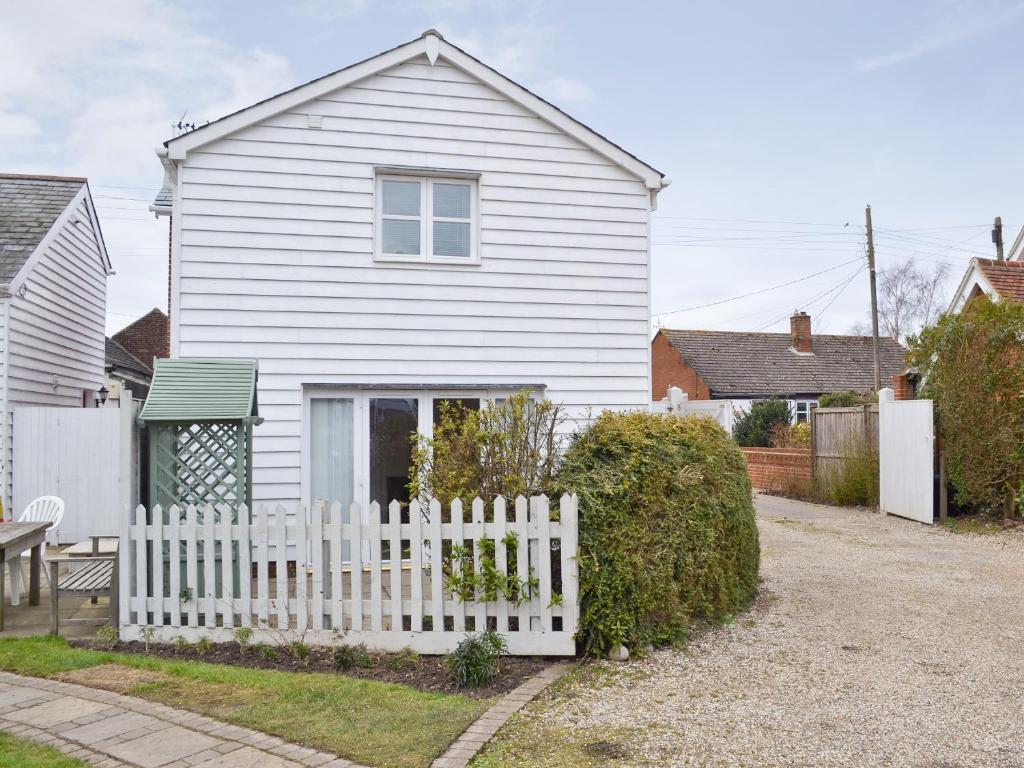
{"points": [[757, 292]]}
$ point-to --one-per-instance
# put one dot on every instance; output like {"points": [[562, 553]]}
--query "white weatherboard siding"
{"points": [[276, 228], [55, 331]]}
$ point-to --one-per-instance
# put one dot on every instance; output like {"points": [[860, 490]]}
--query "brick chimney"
{"points": [[800, 332]]}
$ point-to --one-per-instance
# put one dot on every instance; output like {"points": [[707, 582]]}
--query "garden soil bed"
{"points": [[425, 673]]}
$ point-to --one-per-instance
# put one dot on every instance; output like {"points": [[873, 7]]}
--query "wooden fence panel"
{"points": [[225, 566], [840, 434]]}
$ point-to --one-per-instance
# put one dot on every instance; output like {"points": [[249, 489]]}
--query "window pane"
{"points": [[451, 201], [401, 198], [401, 236], [392, 423], [451, 239], [331, 451]]}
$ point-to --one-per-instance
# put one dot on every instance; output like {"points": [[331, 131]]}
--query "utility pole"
{"points": [[874, 299], [997, 237]]}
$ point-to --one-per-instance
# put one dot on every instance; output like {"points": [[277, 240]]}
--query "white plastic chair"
{"points": [[44, 509]]}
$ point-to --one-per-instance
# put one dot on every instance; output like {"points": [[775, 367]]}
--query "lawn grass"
{"points": [[22, 753], [372, 723]]}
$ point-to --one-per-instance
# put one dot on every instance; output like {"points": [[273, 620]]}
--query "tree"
{"points": [[909, 299], [972, 365], [757, 426]]}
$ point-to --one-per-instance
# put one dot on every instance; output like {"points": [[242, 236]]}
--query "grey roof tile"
{"points": [[29, 205], [742, 364]]}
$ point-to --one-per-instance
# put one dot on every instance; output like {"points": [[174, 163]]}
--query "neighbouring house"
{"points": [[125, 371], [743, 367], [998, 280], [53, 287], [147, 338], [412, 228]]}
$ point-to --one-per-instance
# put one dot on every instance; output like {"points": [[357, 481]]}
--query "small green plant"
{"points": [[180, 643], [186, 594], [348, 656], [406, 658], [243, 636], [486, 585], [147, 634], [475, 661], [204, 645], [107, 637], [267, 653], [299, 651]]}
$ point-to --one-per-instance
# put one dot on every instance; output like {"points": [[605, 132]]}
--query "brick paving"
{"points": [[464, 748], [114, 731]]}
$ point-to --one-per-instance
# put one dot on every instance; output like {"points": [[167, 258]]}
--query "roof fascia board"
{"points": [[972, 276], [91, 207], [433, 46], [59, 223], [178, 148]]}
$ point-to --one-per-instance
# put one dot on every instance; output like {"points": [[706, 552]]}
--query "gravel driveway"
{"points": [[876, 642]]}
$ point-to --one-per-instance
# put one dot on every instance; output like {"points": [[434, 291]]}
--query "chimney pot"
{"points": [[800, 332]]}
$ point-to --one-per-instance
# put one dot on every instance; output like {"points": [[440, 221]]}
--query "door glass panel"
{"points": [[461, 404], [393, 420], [331, 454]]}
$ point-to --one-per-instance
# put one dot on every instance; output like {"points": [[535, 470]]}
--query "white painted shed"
{"points": [[413, 227], [53, 289]]}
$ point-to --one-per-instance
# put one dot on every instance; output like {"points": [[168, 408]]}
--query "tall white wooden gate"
{"points": [[86, 456], [906, 454]]}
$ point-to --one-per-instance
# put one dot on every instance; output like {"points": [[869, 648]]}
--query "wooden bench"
{"points": [[96, 577]]}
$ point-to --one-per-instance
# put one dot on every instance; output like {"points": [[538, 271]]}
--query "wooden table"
{"points": [[15, 538]]}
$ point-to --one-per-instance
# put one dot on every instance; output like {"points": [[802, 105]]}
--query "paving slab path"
{"points": [[115, 731]]}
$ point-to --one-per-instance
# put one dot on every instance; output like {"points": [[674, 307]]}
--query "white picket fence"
{"points": [[340, 585]]}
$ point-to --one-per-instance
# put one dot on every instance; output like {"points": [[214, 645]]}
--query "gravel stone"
{"points": [[876, 641]]}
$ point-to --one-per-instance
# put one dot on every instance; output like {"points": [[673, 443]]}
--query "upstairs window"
{"points": [[421, 218]]}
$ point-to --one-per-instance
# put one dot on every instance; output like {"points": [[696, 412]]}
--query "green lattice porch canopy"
{"points": [[199, 414]]}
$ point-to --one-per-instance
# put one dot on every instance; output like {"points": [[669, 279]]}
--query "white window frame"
{"points": [[426, 182], [811, 404]]}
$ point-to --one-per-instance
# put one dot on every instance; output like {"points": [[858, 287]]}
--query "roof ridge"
{"points": [[776, 333], [43, 177]]}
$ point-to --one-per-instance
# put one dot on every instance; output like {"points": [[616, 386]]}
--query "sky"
{"points": [[777, 122]]}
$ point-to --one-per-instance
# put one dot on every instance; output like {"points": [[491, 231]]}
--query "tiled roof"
{"points": [[1007, 277], [29, 205], [741, 364], [120, 358]]}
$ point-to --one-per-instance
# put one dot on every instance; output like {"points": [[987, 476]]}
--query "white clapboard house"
{"points": [[411, 228], [53, 289]]}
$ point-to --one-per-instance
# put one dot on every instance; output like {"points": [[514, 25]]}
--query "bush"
{"points": [[847, 398], [667, 530], [792, 435], [853, 481], [348, 656], [475, 661], [754, 428]]}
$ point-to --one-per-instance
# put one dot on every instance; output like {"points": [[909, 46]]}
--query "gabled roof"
{"points": [[29, 207], [1003, 280], [202, 389], [741, 364], [433, 46], [117, 357]]}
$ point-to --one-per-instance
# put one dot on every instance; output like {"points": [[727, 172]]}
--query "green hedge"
{"points": [[667, 529]]}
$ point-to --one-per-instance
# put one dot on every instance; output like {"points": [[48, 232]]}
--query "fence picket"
{"points": [[209, 564], [262, 567], [500, 560], [228, 561], [192, 565], [316, 543], [334, 546], [356, 569], [281, 567], [174, 565], [436, 569], [395, 556], [416, 565]]}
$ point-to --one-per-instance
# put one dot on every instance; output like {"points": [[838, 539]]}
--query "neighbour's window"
{"points": [[426, 219], [803, 410]]}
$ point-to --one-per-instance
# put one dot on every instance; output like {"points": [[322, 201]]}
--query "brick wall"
{"points": [[669, 369], [147, 337], [779, 469]]}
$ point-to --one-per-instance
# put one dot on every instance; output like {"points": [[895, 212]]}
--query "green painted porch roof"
{"points": [[202, 389]]}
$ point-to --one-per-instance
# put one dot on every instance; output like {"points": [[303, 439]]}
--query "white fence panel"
{"points": [[679, 404], [415, 581], [86, 456], [906, 455]]}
